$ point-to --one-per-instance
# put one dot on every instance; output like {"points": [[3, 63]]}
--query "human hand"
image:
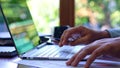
{"points": [[86, 35], [109, 46]]}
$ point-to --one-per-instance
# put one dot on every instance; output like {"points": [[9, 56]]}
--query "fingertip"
{"points": [[74, 64], [86, 65], [68, 63], [60, 45], [64, 43]]}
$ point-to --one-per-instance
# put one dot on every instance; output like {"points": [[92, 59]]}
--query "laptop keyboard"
{"points": [[58, 52], [54, 51]]}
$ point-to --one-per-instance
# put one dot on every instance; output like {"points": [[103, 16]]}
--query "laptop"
{"points": [[25, 36]]}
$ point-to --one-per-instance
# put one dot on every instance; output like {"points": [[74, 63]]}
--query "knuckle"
{"points": [[86, 49], [67, 31], [96, 52]]}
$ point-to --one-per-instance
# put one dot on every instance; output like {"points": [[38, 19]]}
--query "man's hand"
{"points": [[86, 36], [108, 46]]}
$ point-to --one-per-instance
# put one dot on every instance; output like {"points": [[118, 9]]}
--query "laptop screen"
{"points": [[21, 25]]}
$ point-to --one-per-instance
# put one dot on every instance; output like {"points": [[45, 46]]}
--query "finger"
{"points": [[66, 34], [71, 60], [62, 38], [73, 57], [99, 51], [78, 58]]}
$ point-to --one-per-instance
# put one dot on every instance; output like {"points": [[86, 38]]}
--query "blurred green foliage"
{"points": [[12, 8], [102, 7], [47, 12]]}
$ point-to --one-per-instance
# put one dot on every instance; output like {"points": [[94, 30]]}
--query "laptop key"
{"points": [[50, 52]]}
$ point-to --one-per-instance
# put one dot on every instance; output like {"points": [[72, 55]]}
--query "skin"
{"points": [[99, 43], [108, 46], [87, 36]]}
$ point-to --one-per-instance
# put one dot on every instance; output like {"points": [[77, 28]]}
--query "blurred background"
{"points": [[94, 14], [99, 14]]}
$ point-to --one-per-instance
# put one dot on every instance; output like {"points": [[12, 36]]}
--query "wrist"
{"points": [[105, 34]]}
